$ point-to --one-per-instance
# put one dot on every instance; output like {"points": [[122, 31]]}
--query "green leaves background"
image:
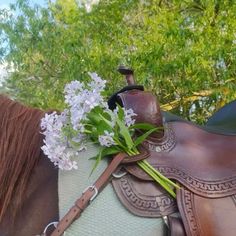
{"points": [[183, 51]]}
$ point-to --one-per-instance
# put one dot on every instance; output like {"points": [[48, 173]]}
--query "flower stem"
{"points": [[164, 182], [161, 175]]}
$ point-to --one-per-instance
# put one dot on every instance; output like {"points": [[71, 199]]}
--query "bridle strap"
{"points": [[87, 196]]}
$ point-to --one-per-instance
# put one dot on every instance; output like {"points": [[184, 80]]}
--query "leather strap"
{"points": [[87, 196], [175, 226]]}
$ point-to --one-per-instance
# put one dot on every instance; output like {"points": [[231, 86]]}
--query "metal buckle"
{"points": [[54, 223], [92, 187]]}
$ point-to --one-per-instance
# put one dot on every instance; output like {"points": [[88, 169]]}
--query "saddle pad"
{"points": [[105, 215]]}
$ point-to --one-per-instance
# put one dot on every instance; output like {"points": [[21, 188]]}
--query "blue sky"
{"points": [[5, 3]]}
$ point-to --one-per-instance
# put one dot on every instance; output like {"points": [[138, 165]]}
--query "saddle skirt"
{"points": [[203, 163]]}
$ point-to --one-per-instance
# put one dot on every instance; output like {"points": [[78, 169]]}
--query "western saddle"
{"points": [[201, 159]]}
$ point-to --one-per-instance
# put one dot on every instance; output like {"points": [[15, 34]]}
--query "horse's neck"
{"points": [[40, 205]]}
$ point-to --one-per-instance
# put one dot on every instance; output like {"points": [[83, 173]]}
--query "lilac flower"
{"points": [[106, 139], [97, 84], [56, 145], [129, 113], [80, 101], [128, 117]]}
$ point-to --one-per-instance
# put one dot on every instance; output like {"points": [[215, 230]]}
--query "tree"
{"points": [[183, 51]]}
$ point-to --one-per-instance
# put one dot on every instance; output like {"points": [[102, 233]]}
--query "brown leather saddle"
{"points": [[201, 159]]}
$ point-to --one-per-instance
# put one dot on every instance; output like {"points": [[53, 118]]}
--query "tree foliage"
{"points": [[183, 51]]}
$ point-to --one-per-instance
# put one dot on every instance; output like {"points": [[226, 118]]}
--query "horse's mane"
{"points": [[20, 142]]}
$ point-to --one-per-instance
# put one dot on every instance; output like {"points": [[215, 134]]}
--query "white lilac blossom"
{"points": [[129, 113], [128, 116], [80, 101], [65, 133], [56, 145], [97, 84], [106, 139]]}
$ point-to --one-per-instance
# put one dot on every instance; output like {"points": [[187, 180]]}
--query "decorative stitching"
{"points": [[189, 212], [159, 204], [224, 186], [166, 144], [217, 188]]}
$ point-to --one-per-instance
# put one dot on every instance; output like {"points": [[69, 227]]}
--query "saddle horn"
{"points": [[143, 103], [129, 74]]}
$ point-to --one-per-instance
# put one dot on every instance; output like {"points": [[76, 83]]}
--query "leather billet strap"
{"points": [[91, 192]]}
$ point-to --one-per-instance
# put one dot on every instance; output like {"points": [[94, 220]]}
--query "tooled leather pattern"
{"points": [[166, 144], [225, 187], [212, 189], [187, 201], [158, 205]]}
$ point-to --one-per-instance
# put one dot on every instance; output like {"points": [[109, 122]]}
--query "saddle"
{"points": [[202, 160]]}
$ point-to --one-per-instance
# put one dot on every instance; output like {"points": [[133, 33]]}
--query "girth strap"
{"points": [[87, 196]]}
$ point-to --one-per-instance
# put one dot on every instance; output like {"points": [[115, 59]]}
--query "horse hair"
{"points": [[20, 142]]}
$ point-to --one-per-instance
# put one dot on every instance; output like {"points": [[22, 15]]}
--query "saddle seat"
{"points": [[200, 159]]}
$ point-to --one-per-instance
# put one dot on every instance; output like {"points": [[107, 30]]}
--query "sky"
{"points": [[5, 3]]}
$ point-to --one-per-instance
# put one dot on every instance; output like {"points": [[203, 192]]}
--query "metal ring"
{"points": [[54, 223], [119, 174], [92, 187], [165, 219]]}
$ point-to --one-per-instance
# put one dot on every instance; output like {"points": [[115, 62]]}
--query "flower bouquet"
{"points": [[87, 118]]}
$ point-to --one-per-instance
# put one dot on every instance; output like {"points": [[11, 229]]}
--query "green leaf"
{"points": [[110, 151], [93, 117], [124, 131], [143, 126], [98, 159], [108, 122], [120, 113], [103, 152], [141, 138], [107, 151]]}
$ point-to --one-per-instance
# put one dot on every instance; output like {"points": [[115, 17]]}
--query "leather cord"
{"points": [[87, 196]]}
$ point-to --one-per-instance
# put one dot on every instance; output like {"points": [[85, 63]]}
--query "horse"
{"points": [[31, 185], [28, 180]]}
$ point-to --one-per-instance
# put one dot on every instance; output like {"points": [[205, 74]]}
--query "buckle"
{"points": [[93, 188]]}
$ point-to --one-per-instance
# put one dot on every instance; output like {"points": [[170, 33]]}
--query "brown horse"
{"points": [[28, 180]]}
